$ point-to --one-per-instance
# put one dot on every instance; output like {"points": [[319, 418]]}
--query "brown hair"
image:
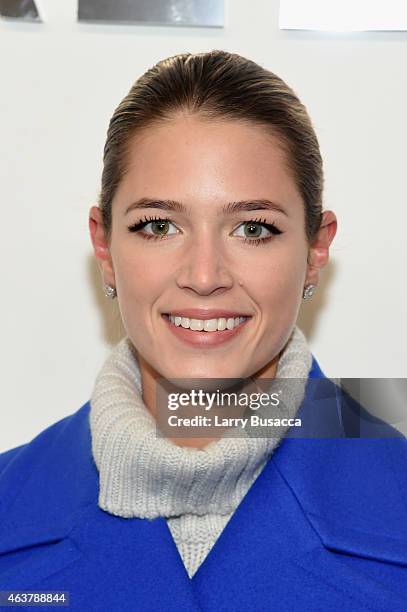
{"points": [[216, 85]]}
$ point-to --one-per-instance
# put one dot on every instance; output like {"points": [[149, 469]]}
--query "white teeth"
{"points": [[221, 324], [196, 325], [208, 325]]}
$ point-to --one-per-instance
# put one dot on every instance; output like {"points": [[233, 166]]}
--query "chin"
{"points": [[209, 377]]}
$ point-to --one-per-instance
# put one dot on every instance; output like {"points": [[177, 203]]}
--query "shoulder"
{"points": [[330, 402], [8, 456], [39, 466], [46, 437], [342, 456]]}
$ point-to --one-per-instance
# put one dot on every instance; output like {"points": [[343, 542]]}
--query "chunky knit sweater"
{"points": [[196, 490]]}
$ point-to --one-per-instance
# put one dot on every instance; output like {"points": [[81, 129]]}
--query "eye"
{"points": [[159, 228], [257, 231]]}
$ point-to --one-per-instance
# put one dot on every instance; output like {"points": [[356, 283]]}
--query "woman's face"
{"points": [[201, 260]]}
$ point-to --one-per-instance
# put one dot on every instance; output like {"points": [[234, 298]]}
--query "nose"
{"points": [[205, 268]]}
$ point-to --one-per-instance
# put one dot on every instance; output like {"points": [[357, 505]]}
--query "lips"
{"points": [[200, 339], [205, 314]]}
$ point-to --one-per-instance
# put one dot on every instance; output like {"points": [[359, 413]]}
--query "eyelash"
{"points": [[136, 227]]}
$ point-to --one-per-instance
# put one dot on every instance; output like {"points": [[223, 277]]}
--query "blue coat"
{"points": [[324, 527]]}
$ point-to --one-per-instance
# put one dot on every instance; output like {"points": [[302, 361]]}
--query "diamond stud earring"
{"points": [[309, 290], [110, 292]]}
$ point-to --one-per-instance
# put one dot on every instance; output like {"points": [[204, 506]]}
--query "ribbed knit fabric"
{"points": [[197, 490]]}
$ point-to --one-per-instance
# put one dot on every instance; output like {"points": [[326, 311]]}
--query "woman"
{"points": [[210, 233]]}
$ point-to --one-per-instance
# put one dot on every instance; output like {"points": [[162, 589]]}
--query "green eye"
{"points": [[161, 226], [253, 230]]}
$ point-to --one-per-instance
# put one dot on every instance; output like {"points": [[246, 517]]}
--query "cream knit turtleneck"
{"points": [[142, 475]]}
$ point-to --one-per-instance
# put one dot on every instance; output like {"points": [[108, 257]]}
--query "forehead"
{"points": [[194, 159]]}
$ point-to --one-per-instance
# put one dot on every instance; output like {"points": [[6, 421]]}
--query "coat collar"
{"points": [[309, 501]]}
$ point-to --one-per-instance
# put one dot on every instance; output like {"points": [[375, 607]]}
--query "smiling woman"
{"points": [[210, 232], [201, 258], [207, 157]]}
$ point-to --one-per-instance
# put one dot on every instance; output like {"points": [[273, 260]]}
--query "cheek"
{"points": [[277, 289], [137, 286], [139, 281], [279, 302], [277, 283]]}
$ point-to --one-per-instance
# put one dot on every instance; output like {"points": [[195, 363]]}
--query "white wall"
{"points": [[60, 82]]}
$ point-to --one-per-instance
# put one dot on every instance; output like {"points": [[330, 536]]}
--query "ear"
{"points": [[100, 246], [318, 254]]}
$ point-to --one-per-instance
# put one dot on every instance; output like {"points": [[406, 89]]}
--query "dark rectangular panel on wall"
{"points": [[207, 13], [24, 10]]}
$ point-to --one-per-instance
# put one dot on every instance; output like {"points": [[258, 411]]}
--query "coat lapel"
{"points": [[62, 540], [105, 562], [313, 532]]}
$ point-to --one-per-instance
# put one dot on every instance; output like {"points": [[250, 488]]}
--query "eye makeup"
{"points": [[142, 224]]}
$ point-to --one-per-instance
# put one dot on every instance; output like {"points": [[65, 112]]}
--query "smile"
{"points": [[207, 325], [192, 331]]}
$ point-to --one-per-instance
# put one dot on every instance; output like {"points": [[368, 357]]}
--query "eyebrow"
{"points": [[230, 208]]}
